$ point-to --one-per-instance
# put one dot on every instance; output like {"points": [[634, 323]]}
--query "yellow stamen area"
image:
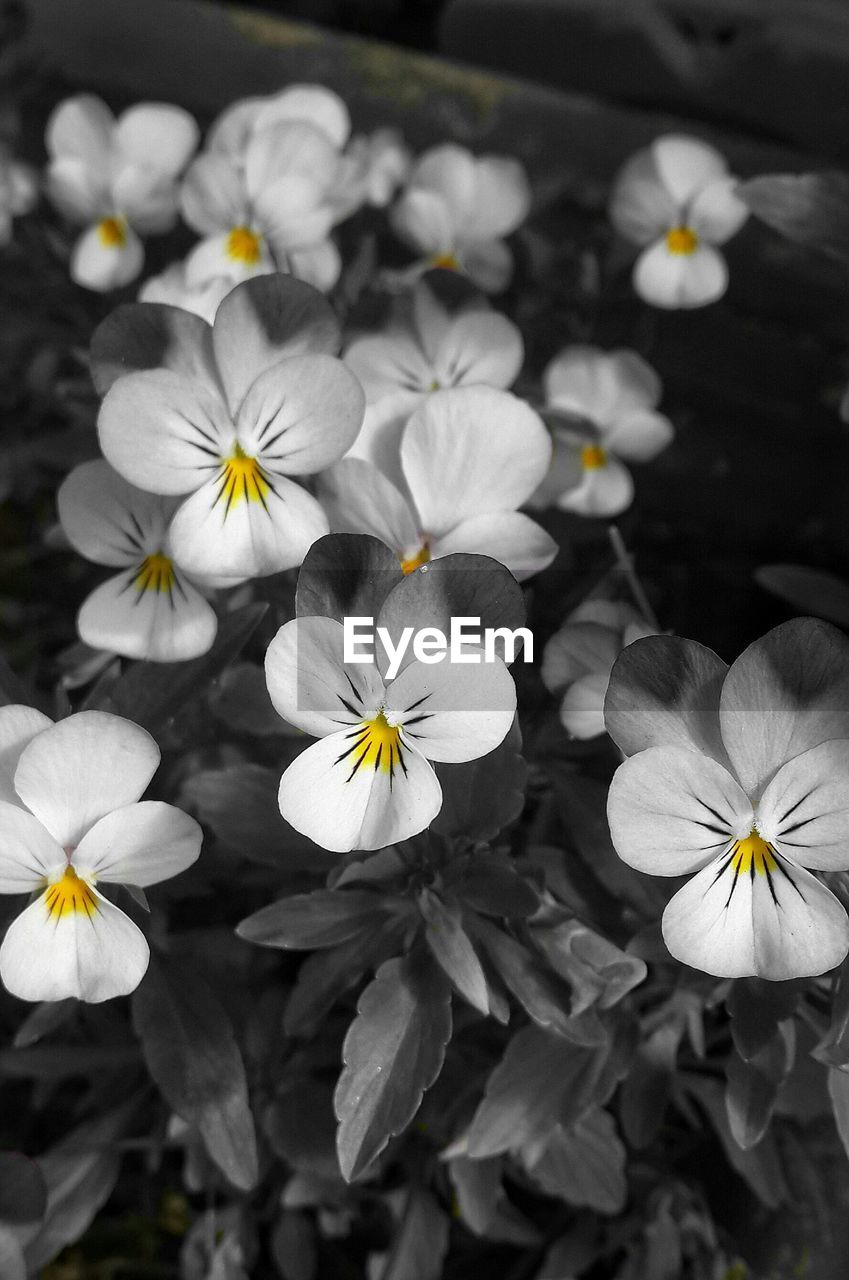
{"points": [[682, 240], [244, 245], [755, 852], [446, 261], [422, 556], [593, 457], [112, 233], [68, 896], [242, 480], [156, 573], [377, 745]]}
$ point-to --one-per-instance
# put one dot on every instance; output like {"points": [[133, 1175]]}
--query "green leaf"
{"points": [[488, 883], [192, 1054], [23, 1193], [240, 700], [152, 693], [393, 1052], [833, 1048], [326, 975], [809, 590], [449, 942], [838, 1089], [481, 797], [421, 1241], [596, 970], [482, 1204], [346, 575], [542, 1080], [300, 1126], [753, 1086], [320, 919], [585, 1164], [756, 1008], [293, 1246], [760, 1166], [811, 209], [12, 690], [647, 1087]]}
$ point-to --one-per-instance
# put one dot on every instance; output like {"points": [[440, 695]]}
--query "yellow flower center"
{"points": [[682, 240], [112, 233], [422, 556], [68, 896], [447, 261], [593, 457], [753, 852], [375, 744], [242, 480], [244, 245], [156, 573]]}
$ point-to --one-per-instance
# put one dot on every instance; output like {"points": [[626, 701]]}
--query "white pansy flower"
{"points": [[611, 401], [739, 779], [368, 781], [312, 103], [456, 210], [246, 405], [117, 178], [70, 821], [172, 289], [270, 210], [677, 200], [150, 609], [469, 458], [18, 193], [435, 349], [373, 167], [578, 659]]}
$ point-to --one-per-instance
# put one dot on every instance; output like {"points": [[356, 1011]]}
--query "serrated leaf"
{"points": [[542, 995], [421, 1241], [301, 1128], [452, 949], [542, 1080], [585, 1164], [152, 693], [346, 575], [320, 919], [756, 1008], [811, 209], [489, 884], [760, 1166], [326, 975], [191, 1052], [482, 1204], [647, 1087], [597, 971], [393, 1052], [481, 797], [753, 1085]]}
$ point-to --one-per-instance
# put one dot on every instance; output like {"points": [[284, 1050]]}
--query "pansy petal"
{"points": [[154, 614], [472, 450], [479, 346], [487, 263], [358, 498], [100, 264], [805, 808], [81, 128], [89, 955], [288, 150], [294, 214], [604, 491], [107, 519], [231, 130], [342, 807], [149, 335], [158, 135], [213, 196], [582, 708], [672, 810], [79, 193], [267, 320], [379, 440], [510, 537], [641, 208], [717, 213], [162, 431], [777, 923], [82, 768], [664, 691], [423, 220], [28, 853], [787, 692], [139, 844], [215, 256], [301, 415], [680, 279], [685, 165], [453, 711], [316, 104], [602, 386], [640, 436], [236, 528], [502, 197], [579, 649], [309, 683], [317, 264], [148, 200], [565, 472], [391, 362], [18, 726]]}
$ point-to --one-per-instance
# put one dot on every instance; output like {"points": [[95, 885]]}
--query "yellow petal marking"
{"points": [[446, 261], [755, 852], [593, 457], [411, 563], [242, 480], [682, 241], [70, 896], [244, 245], [112, 233], [377, 745], [156, 573]]}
